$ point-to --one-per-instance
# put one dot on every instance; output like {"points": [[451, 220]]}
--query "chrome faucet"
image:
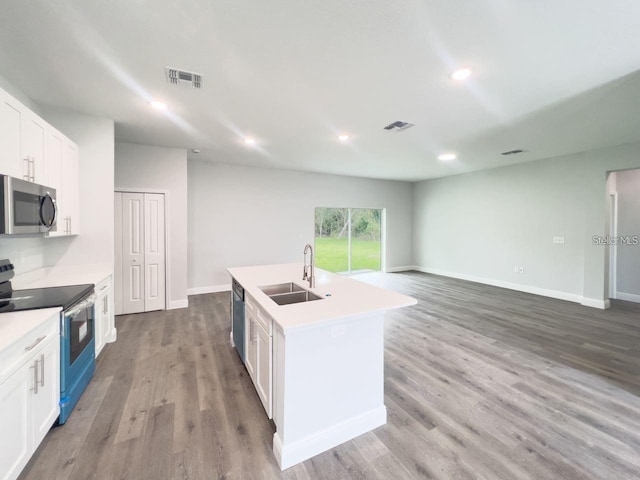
{"points": [[308, 270]]}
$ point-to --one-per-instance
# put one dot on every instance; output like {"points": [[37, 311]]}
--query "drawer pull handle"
{"points": [[42, 370], [103, 287], [34, 344]]}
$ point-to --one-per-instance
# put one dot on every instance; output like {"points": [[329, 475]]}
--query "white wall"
{"points": [[149, 168], [628, 256], [251, 216], [95, 139], [480, 225]]}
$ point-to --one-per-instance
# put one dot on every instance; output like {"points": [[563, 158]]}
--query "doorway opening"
{"points": [[623, 234], [349, 240]]}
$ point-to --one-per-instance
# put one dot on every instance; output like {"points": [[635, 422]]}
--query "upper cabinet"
{"points": [[11, 112], [63, 176], [33, 150], [33, 140]]}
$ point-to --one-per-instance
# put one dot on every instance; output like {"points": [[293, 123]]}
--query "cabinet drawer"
{"points": [[12, 357], [264, 320], [249, 303], [103, 286]]}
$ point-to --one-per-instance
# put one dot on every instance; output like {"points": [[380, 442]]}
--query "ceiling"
{"points": [[550, 77]]}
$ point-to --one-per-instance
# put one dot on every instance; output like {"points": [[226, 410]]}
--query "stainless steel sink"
{"points": [[281, 288], [294, 297]]}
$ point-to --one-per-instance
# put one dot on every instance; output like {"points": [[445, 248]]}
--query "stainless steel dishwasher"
{"points": [[237, 306]]}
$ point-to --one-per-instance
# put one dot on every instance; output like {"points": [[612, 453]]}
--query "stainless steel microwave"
{"points": [[26, 207]]}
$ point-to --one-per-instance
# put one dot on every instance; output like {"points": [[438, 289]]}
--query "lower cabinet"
{"points": [[259, 352], [251, 346], [105, 320], [264, 369], [15, 441], [29, 399]]}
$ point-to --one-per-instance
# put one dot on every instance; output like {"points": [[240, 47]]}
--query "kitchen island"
{"points": [[318, 366]]}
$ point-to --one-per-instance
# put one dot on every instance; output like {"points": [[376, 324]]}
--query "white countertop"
{"points": [[348, 297], [63, 275], [15, 325]]}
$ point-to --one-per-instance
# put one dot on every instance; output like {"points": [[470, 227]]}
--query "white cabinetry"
{"points": [[250, 346], [33, 142], [29, 394], [22, 141], [259, 351], [15, 442], [33, 150], [10, 134], [63, 176], [104, 321]]}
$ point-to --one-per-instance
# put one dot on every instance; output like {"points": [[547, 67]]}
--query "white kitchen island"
{"points": [[321, 377]]}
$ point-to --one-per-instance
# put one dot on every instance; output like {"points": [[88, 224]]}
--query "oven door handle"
{"points": [[75, 311]]}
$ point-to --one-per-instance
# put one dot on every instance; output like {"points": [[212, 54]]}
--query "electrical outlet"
{"points": [[515, 269], [520, 269]]}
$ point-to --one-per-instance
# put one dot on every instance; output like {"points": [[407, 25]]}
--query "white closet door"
{"points": [[118, 252], [154, 277], [133, 284]]}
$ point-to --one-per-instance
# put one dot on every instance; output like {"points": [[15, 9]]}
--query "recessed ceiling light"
{"points": [[445, 157], [158, 105], [249, 141], [343, 137], [461, 74]]}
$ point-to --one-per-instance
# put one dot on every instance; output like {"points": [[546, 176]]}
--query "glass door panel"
{"points": [[365, 239]]}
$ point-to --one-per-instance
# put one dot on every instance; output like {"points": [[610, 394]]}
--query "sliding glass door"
{"points": [[348, 240]]}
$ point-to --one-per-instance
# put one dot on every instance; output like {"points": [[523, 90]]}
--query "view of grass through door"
{"points": [[348, 240]]}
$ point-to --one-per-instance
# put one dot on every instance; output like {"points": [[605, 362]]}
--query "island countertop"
{"points": [[342, 297]]}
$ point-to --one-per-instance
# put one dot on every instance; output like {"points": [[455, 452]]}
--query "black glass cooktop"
{"points": [[35, 298]]}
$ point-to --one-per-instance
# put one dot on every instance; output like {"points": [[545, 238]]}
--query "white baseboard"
{"points": [[112, 336], [301, 450], [629, 297], [209, 289], [571, 297], [406, 268], [176, 304], [595, 303]]}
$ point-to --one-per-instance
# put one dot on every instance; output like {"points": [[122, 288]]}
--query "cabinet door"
{"points": [[46, 402], [16, 439], [54, 146], [264, 369], [107, 316], [102, 319], [33, 137], [10, 128], [251, 344], [70, 185]]}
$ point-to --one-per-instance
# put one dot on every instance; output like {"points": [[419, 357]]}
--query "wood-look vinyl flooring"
{"points": [[480, 382]]}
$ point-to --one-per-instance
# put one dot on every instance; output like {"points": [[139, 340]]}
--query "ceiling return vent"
{"points": [[513, 152], [398, 126], [182, 78]]}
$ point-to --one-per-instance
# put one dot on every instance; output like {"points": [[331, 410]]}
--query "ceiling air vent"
{"points": [[181, 78], [513, 152], [398, 126]]}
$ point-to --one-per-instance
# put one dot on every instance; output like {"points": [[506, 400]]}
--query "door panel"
{"points": [[46, 403], [33, 141], [133, 253], [10, 126], [154, 256], [17, 437]]}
